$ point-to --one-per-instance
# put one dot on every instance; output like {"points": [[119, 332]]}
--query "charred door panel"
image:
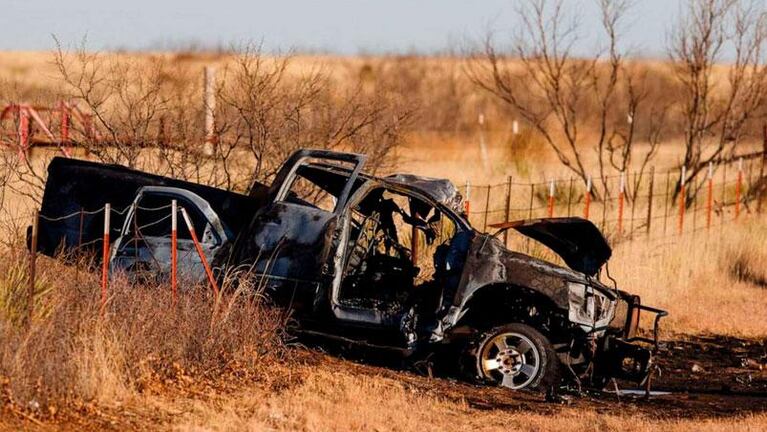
{"points": [[288, 244]]}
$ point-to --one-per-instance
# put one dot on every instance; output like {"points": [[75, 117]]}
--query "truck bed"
{"points": [[77, 186]]}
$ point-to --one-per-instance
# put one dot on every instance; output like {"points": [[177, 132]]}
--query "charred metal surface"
{"points": [[440, 190], [333, 256], [578, 241], [76, 185]]}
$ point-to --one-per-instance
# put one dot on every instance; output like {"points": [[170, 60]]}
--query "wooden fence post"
{"points": [[649, 200], [209, 107], [569, 197], [105, 257], [532, 195], [710, 194], [621, 199], [633, 205], [508, 210], [682, 198], [738, 186], [32, 268], [666, 199], [487, 207]]}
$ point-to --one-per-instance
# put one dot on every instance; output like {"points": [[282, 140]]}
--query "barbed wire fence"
{"points": [[658, 208], [162, 217], [645, 206]]}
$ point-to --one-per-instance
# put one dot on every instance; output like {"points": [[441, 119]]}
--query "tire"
{"points": [[515, 356]]}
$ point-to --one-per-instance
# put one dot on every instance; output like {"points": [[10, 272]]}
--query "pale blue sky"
{"points": [[340, 26]]}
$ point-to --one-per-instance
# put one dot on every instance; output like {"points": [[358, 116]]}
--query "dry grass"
{"points": [[71, 352], [336, 400], [701, 279], [710, 283]]}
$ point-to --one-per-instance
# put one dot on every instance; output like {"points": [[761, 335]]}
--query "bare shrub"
{"points": [[73, 352], [559, 94], [266, 113], [721, 104]]}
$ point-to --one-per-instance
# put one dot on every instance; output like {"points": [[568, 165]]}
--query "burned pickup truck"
{"points": [[385, 262]]}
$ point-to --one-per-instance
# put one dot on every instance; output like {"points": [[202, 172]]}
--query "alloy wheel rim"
{"points": [[510, 359]]}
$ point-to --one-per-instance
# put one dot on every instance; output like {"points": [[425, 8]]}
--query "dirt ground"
{"points": [[707, 377]]}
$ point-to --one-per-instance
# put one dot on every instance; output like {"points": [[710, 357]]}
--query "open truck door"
{"points": [[293, 236]]}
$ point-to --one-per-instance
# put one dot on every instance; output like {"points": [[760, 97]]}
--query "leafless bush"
{"points": [[721, 103], [71, 351], [266, 113], [559, 94]]}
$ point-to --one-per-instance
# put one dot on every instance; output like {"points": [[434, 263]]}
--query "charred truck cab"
{"points": [[387, 262]]}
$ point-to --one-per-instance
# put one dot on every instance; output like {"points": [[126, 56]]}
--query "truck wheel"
{"points": [[516, 356]]}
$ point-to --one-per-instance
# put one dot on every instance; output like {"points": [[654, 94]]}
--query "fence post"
{"points": [[710, 195], [633, 205], [761, 190], [209, 107], [649, 200], [682, 199], [105, 257], [551, 198], [530, 214], [587, 198], [724, 196], [174, 250], [200, 252], [569, 197], [666, 199], [532, 195], [621, 199], [508, 210], [482, 145], [487, 207], [738, 186], [32, 268]]}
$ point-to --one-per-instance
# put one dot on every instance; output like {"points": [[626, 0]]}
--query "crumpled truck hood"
{"points": [[578, 241]]}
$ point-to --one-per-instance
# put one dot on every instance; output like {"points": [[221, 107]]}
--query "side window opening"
{"points": [[304, 191], [317, 184], [152, 218]]}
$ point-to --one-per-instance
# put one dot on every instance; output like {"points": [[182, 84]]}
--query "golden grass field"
{"points": [[698, 277]]}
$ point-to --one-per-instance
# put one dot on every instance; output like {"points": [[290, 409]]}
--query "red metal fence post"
{"points": [[587, 198], [551, 198], [105, 258], [487, 208], [200, 252], [174, 250]]}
